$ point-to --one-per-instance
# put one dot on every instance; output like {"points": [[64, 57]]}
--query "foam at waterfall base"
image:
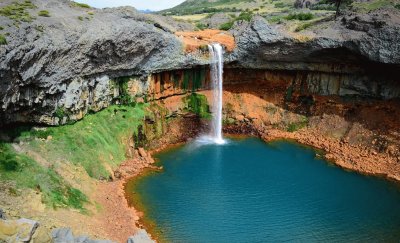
{"points": [[206, 139]]}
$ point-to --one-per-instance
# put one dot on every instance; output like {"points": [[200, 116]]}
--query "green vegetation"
{"points": [[226, 26], [300, 16], [197, 104], [44, 13], [295, 126], [1, 28], [193, 79], [397, 6], [60, 113], [3, 40], [207, 6], [371, 5], [243, 16], [246, 16], [29, 174], [279, 5], [91, 143], [80, 18], [17, 11], [201, 26], [125, 98], [81, 5]]}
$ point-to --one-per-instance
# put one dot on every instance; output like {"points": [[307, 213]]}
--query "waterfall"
{"points": [[216, 53]]}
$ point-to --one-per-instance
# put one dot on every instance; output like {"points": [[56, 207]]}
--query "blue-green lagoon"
{"points": [[251, 191]]}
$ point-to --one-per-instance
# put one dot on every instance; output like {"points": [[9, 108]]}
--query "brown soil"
{"points": [[197, 39]]}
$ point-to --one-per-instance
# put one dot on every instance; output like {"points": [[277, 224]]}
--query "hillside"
{"points": [[290, 15]]}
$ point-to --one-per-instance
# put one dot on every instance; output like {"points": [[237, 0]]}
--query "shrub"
{"points": [[3, 40], [1, 28], [201, 26], [397, 6], [80, 18], [279, 5], [44, 13], [246, 16], [300, 16], [226, 26]]}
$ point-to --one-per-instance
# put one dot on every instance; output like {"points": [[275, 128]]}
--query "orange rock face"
{"points": [[195, 40]]}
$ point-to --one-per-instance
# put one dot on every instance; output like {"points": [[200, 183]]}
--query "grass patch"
{"points": [[17, 11], [371, 5], [81, 5], [3, 40], [303, 27], [44, 13], [27, 173], [197, 104]]}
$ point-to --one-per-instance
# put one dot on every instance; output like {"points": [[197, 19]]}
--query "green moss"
{"points": [[292, 127], [3, 40], [44, 13], [60, 113], [27, 173], [17, 11], [124, 97], [176, 78], [186, 79], [197, 104]]}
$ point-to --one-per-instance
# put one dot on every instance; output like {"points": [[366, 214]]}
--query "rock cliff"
{"points": [[56, 69]]}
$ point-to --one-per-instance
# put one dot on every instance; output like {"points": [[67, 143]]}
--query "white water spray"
{"points": [[216, 53]]}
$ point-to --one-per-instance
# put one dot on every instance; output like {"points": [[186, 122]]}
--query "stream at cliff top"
{"points": [[251, 191]]}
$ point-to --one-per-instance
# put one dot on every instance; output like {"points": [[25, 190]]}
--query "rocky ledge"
{"points": [[57, 68]]}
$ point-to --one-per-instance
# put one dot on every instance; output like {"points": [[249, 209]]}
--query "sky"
{"points": [[138, 4]]}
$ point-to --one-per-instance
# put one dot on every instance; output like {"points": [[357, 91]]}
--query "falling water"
{"points": [[216, 53]]}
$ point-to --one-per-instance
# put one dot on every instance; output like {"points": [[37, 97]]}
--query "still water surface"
{"points": [[251, 191]]}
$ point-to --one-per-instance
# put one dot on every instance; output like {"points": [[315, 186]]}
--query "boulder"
{"points": [[140, 237], [2, 214], [64, 235], [20, 230]]}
